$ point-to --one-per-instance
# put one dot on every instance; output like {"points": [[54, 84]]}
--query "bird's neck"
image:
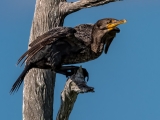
{"points": [[97, 43]]}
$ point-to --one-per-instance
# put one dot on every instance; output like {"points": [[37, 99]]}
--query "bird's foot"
{"points": [[70, 70]]}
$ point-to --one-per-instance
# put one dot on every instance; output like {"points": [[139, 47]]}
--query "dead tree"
{"points": [[39, 84]]}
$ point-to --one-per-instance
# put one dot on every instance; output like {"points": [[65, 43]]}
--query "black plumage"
{"points": [[66, 45]]}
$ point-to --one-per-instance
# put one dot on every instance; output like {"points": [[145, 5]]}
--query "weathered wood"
{"points": [[39, 84], [78, 5], [73, 87], [37, 97]]}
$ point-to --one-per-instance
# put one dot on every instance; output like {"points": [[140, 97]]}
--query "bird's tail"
{"points": [[19, 81]]}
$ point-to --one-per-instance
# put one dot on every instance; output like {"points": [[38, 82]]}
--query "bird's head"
{"points": [[106, 29], [109, 24]]}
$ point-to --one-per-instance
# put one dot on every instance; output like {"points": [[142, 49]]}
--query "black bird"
{"points": [[95, 38], [92, 38], [66, 45]]}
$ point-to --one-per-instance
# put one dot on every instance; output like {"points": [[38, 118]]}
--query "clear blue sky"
{"points": [[126, 80]]}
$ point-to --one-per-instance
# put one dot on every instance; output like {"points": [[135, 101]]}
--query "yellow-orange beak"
{"points": [[112, 25]]}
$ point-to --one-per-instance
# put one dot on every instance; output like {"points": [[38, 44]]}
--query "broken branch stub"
{"points": [[74, 85]]}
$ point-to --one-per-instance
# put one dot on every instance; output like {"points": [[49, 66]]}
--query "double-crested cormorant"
{"points": [[66, 45]]}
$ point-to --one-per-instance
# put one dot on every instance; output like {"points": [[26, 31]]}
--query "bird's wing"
{"points": [[46, 39], [58, 32]]}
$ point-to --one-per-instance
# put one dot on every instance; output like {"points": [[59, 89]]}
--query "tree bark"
{"points": [[39, 84]]}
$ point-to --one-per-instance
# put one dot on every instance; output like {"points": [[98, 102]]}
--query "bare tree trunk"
{"points": [[39, 84]]}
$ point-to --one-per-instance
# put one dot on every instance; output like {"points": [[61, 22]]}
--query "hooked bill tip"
{"points": [[124, 20]]}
